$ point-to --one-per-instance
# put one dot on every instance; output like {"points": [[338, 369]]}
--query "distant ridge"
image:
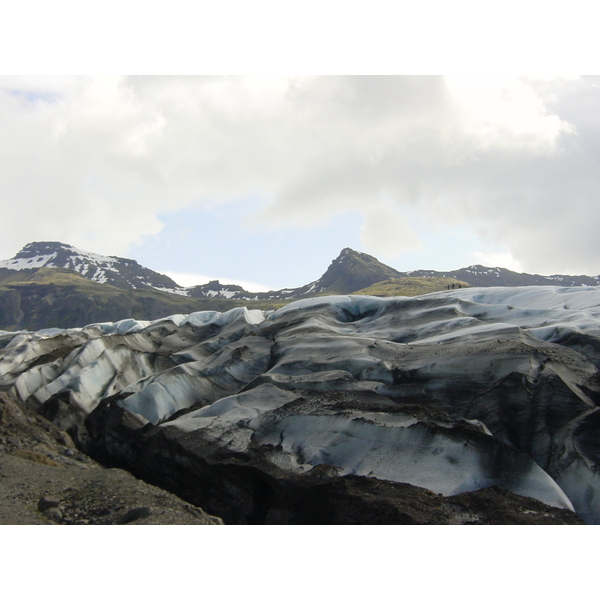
{"points": [[480, 276]]}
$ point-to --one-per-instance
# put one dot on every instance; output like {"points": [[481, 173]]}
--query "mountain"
{"points": [[122, 273], [480, 276], [216, 289], [474, 405], [349, 272]]}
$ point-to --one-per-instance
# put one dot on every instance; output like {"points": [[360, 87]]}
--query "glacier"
{"points": [[453, 391]]}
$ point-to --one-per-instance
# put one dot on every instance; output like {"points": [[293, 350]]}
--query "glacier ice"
{"points": [[452, 391]]}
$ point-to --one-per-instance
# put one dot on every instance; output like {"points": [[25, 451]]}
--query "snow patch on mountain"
{"points": [[121, 272], [77, 260]]}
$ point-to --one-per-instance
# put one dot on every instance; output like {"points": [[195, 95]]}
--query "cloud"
{"points": [[505, 113], [96, 161], [386, 233], [497, 259]]}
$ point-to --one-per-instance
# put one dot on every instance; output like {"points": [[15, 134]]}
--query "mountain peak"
{"points": [[350, 252], [352, 271], [37, 248], [120, 272]]}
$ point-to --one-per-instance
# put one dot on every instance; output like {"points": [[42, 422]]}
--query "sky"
{"points": [[263, 179]]}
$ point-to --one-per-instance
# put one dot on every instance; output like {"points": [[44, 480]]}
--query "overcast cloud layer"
{"points": [[95, 162]]}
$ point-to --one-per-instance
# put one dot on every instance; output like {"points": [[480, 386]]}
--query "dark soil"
{"points": [[44, 479]]}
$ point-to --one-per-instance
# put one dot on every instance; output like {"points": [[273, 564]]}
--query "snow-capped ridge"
{"points": [[120, 272]]}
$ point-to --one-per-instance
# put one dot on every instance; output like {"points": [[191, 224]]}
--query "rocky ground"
{"points": [[44, 479]]}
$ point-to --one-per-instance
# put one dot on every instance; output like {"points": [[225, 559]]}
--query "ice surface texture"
{"points": [[452, 391]]}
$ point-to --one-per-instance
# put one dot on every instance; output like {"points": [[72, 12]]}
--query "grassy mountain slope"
{"points": [[42, 298], [410, 286]]}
